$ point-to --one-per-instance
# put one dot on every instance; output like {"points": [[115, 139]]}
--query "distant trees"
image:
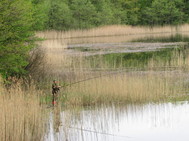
{"points": [[40, 14], [59, 15], [105, 15], [74, 14], [163, 12], [79, 14], [84, 13], [186, 10], [128, 10]]}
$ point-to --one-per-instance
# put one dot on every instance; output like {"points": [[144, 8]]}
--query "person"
{"points": [[55, 90], [55, 87]]}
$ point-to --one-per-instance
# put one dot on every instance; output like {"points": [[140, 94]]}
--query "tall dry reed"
{"points": [[140, 86], [128, 33], [22, 117], [160, 80], [127, 88], [58, 63]]}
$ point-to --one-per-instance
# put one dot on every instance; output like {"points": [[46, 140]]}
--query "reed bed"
{"points": [[132, 87], [22, 117], [58, 64], [124, 33], [179, 60], [159, 80]]}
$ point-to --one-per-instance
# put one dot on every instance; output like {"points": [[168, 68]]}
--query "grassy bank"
{"points": [[22, 117]]}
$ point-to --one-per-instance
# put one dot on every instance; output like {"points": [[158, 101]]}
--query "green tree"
{"points": [[163, 12], [40, 14], [74, 14], [59, 15], [130, 10], [15, 36], [185, 9], [105, 15], [84, 13]]}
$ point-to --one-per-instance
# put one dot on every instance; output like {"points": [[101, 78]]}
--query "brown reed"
{"points": [[153, 84], [131, 87], [22, 117], [109, 33]]}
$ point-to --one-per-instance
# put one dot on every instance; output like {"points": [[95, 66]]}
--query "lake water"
{"points": [[147, 122]]}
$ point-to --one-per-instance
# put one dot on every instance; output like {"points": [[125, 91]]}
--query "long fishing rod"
{"points": [[109, 74]]}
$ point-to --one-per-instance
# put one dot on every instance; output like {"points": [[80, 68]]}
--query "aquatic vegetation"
{"points": [[22, 117], [130, 87], [114, 33], [173, 38], [140, 77]]}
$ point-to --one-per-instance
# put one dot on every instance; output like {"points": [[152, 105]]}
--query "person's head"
{"points": [[54, 81]]}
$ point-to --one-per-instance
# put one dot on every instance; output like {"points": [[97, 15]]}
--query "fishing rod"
{"points": [[109, 74]]}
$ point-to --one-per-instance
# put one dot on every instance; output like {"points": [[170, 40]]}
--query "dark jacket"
{"points": [[55, 88]]}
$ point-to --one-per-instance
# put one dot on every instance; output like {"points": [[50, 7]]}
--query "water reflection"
{"points": [[148, 122]]}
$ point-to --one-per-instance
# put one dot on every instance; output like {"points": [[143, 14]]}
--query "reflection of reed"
{"points": [[57, 118], [116, 122]]}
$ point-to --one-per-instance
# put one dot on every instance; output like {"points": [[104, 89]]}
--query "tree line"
{"points": [[19, 19], [79, 14]]}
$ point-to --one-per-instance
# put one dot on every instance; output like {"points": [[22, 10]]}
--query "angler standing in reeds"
{"points": [[55, 90]]}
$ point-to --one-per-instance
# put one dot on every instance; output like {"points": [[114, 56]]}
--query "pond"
{"points": [[146, 122]]}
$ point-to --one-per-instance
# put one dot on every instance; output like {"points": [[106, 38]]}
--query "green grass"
{"points": [[137, 60]]}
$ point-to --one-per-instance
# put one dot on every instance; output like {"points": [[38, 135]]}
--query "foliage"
{"points": [[40, 14], [83, 13], [16, 22], [59, 15], [163, 12], [19, 18], [79, 14]]}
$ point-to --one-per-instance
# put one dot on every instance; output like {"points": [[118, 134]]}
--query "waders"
{"points": [[54, 98], [55, 90]]}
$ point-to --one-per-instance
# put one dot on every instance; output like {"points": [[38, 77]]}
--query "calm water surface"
{"points": [[149, 122]]}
